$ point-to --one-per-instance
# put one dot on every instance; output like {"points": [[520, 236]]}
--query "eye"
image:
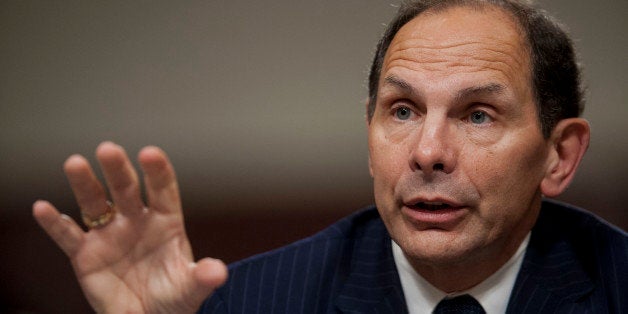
{"points": [[479, 117], [403, 113]]}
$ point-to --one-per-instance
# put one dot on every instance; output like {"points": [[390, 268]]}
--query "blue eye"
{"points": [[478, 117], [403, 113]]}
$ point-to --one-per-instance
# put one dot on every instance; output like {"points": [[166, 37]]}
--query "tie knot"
{"points": [[460, 304]]}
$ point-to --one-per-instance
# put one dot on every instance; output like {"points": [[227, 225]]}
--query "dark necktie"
{"points": [[460, 304]]}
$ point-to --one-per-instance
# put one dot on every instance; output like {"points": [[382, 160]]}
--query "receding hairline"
{"points": [[479, 6]]}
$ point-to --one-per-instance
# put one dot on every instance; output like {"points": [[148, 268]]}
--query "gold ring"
{"points": [[101, 220]]}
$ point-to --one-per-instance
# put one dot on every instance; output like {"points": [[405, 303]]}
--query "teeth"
{"points": [[433, 203]]}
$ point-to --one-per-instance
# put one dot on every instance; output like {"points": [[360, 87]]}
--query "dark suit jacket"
{"points": [[575, 263]]}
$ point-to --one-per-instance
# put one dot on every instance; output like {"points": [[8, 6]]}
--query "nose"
{"points": [[432, 149]]}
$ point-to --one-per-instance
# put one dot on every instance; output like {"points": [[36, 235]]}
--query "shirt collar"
{"points": [[493, 293]]}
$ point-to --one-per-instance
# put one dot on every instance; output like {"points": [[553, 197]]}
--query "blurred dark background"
{"points": [[258, 103]]}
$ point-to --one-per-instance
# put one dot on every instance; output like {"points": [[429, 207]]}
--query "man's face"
{"points": [[456, 150]]}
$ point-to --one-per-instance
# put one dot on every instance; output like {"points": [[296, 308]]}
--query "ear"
{"points": [[569, 140]]}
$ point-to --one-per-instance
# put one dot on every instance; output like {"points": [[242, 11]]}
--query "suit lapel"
{"points": [[373, 284], [551, 276]]}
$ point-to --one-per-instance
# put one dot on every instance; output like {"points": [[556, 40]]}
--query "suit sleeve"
{"points": [[213, 305]]}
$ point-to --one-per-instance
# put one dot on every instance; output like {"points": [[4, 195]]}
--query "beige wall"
{"points": [[259, 103]]}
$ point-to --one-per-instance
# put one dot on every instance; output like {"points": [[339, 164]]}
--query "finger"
{"points": [[121, 178], [61, 228], [162, 189], [89, 193], [208, 274]]}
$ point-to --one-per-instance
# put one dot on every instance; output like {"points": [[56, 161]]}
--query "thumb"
{"points": [[208, 274]]}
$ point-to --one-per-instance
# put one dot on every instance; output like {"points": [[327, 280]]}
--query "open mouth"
{"points": [[432, 206], [434, 214]]}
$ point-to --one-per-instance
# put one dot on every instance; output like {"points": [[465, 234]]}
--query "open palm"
{"points": [[141, 261]]}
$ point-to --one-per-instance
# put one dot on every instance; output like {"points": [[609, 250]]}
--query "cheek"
{"points": [[491, 170], [385, 156], [387, 161], [384, 170], [510, 173]]}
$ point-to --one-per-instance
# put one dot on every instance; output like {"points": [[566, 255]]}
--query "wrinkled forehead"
{"points": [[488, 35]]}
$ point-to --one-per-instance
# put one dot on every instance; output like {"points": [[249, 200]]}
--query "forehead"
{"points": [[461, 39]]}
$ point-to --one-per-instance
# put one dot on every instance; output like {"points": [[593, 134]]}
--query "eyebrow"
{"points": [[401, 84], [490, 88]]}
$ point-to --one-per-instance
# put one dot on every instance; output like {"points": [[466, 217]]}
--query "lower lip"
{"points": [[442, 218]]}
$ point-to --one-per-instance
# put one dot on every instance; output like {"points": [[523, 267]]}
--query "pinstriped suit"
{"points": [[575, 263]]}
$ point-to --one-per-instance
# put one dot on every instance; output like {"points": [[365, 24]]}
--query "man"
{"points": [[472, 119]]}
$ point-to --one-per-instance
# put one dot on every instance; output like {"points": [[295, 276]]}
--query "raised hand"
{"points": [[138, 258]]}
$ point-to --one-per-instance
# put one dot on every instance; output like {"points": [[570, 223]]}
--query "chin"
{"points": [[437, 247]]}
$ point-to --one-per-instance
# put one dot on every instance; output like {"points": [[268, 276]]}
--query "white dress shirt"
{"points": [[493, 293]]}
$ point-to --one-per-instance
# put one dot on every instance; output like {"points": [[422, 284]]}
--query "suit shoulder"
{"points": [[568, 235], [305, 274], [575, 262], [577, 222], [355, 226]]}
